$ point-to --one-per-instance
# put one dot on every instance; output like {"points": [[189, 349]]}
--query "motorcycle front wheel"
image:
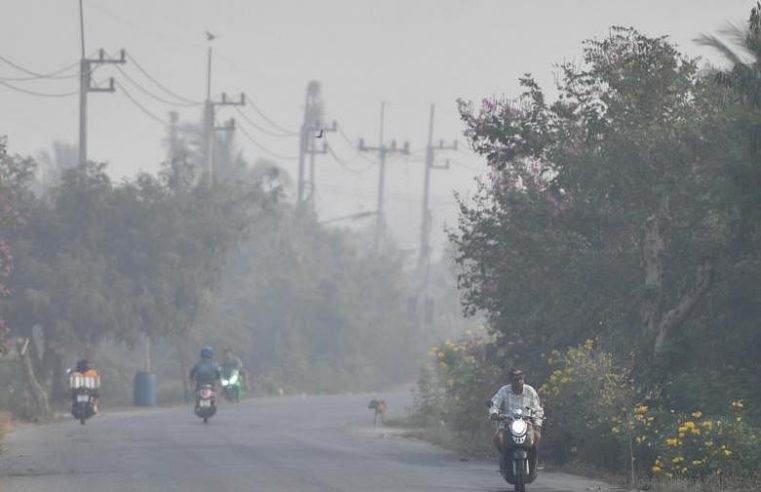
{"points": [[520, 475]]}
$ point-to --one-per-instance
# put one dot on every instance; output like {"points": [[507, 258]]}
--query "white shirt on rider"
{"points": [[506, 401]]}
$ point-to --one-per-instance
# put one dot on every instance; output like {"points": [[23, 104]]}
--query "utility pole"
{"points": [[85, 84], [383, 151], [210, 109], [430, 164], [312, 151], [313, 122]]}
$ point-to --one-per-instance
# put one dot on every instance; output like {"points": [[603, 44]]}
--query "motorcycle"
{"points": [[84, 392], [231, 386], [206, 402], [518, 464]]}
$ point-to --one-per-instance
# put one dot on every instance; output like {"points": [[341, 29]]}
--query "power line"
{"points": [[140, 106], [38, 94], [263, 148], [279, 127], [262, 129], [464, 165], [344, 164], [151, 94], [162, 86], [37, 75], [352, 145]]}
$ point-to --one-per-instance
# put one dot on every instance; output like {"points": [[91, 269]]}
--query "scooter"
{"points": [[518, 464], [206, 402], [83, 394], [231, 386]]}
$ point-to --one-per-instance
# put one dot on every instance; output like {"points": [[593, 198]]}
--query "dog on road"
{"points": [[380, 411]]}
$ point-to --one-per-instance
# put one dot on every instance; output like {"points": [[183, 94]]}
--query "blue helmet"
{"points": [[207, 353]]}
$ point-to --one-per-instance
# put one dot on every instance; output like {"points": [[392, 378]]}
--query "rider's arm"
{"points": [[536, 407], [497, 402]]}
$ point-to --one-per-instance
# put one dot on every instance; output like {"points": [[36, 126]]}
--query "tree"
{"points": [[598, 215]]}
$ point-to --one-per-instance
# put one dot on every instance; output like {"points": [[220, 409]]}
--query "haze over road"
{"points": [[322, 443]]}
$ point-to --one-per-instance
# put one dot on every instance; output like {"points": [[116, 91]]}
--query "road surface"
{"points": [[290, 444]]}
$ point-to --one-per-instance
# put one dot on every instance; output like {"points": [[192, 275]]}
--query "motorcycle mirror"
{"points": [[489, 403], [68, 371]]}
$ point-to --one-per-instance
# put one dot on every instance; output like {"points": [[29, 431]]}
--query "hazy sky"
{"points": [[410, 53]]}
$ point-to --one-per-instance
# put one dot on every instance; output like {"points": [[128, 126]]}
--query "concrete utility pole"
{"points": [[383, 151], [210, 108], [425, 223], [312, 128], [85, 84]]}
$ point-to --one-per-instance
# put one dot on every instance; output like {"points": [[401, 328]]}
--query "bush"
{"points": [[585, 394], [453, 389]]}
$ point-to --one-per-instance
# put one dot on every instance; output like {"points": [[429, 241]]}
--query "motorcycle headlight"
{"points": [[518, 427], [225, 382]]}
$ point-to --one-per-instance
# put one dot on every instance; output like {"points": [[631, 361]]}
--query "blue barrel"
{"points": [[145, 389]]}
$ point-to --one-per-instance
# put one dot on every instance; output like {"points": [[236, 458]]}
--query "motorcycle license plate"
{"points": [[83, 398], [205, 403]]}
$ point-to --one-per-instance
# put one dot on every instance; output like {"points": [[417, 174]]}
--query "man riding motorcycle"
{"points": [[205, 371], [231, 363], [516, 396], [85, 377]]}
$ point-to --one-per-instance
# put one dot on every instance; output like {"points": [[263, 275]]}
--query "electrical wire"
{"points": [[344, 164], [187, 101], [140, 106], [35, 93], [263, 148], [36, 75], [352, 145], [465, 166], [279, 127], [149, 93], [262, 129]]}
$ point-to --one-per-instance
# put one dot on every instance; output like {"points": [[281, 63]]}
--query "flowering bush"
{"points": [[585, 392], [454, 387], [694, 445]]}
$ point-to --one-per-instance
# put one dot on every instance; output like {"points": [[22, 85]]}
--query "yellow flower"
{"points": [[677, 459], [707, 424], [641, 409], [588, 344], [615, 429], [709, 444], [728, 452], [697, 414], [656, 469], [672, 441], [697, 462]]}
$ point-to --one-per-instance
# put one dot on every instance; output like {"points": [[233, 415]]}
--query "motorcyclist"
{"points": [[516, 396], [84, 369], [205, 371], [232, 362]]}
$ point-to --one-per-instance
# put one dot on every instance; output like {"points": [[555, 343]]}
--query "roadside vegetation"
{"points": [[94, 268], [614, 248]]}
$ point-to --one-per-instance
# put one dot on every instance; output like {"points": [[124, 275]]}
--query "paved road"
{"points": [[312, 444]]}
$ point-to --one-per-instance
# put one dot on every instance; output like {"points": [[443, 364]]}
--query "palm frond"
{"points": [[713, 42]]}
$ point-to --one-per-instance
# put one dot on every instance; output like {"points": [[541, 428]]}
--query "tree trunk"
{"points": [[659, 322], [181, 355], [653, 247], [59, 390], [39, 406], [687, 301]]}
